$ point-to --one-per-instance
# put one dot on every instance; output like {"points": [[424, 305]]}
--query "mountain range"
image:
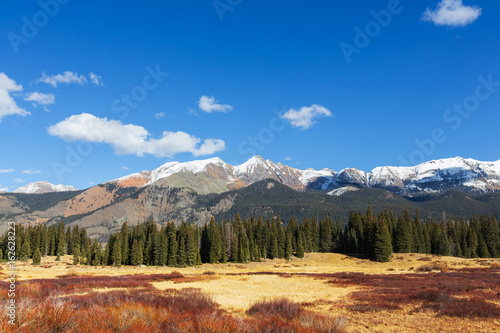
{"points": [[216, 176], [195, 191]]}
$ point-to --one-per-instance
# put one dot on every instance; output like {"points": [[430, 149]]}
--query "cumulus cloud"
{"points": [[66, 78], [160, 115], [8, 106], [96, 79], [288, 158], [4, 189], [40, 98], [6, 170], [31, 172], [452, 13], [131, 139], [209, 105], [305, 117]]}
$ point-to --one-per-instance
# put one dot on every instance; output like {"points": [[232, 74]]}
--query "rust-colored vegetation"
{"points": [[72, 304]]}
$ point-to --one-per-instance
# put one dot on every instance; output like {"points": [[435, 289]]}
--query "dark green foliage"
{"points": [[37, 257], [382, 249], [251, 239]]}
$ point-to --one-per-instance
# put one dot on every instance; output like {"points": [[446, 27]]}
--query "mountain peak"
{"points": [[43, 187]]}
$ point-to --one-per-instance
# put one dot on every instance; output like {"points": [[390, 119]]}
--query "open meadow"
{"points": [[320, 293]]}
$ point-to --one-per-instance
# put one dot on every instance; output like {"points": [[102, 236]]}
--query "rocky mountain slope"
{"points": [[195, 191]]}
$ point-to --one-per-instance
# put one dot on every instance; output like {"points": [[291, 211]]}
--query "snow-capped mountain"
{"points": [[43, 187], [467, 175]]}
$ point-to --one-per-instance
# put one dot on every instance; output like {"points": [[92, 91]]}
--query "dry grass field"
{"points": [[320, 293]]}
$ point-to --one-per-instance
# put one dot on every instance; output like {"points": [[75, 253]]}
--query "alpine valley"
{"points": [[195, 191]]}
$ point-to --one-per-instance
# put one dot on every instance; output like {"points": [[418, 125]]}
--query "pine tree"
{"points": [[383, 244], [76, 255], [37, 257], [274, 247], [288, 248], [116, 252], [482, 249], [325, 234], [25, 250], [300, 248], [61, 240], [444, 244], [136, 254], [403, 234]]}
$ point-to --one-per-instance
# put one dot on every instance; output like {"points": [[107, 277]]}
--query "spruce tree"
{"points": [[403, 234], [383, 244], [444, 244], [116, 252], [136, 254], [300, 248], [288, 248], [76, 255], [37, 257], [25, 250]]}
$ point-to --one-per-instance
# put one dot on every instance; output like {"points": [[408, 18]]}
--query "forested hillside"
{"points": [[255, 238]]}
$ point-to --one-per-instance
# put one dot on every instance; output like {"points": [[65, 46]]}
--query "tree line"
{"points": [[253, 239]]}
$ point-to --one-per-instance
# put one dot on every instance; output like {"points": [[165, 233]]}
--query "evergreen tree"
{"points": [[136, 254], [76, 255], [61, 240], [300, 247], [37, 257], [274, 247], [444, 245], [289, 248], [403, 234], [116, 252], [25, 250], [383, 244], [483, 249]]}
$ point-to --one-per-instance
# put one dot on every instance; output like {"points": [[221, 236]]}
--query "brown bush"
{"points": [[281, 307], [431, 267]]}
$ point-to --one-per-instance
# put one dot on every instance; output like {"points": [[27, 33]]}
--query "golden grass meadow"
{"points": [[322, 292]]}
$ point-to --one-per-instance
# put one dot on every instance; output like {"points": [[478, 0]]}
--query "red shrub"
{"points": [[281, 307]]}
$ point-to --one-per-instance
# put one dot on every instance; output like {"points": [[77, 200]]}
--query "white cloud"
{"points": [[7, 104], [6, 170], [209, 104], [288, 158], [452, 13], [18, 180], [125, 168], [96, 79], [131, 139], [4, 189], [31, 172], [304, 118], [40, 98], [160, 115], [66, 78]]}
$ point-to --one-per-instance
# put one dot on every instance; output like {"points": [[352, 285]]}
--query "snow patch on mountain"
{"points": [[340, 191], [43, 187]]}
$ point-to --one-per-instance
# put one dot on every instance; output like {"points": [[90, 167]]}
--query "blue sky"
{"points": [[292, 81]]}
